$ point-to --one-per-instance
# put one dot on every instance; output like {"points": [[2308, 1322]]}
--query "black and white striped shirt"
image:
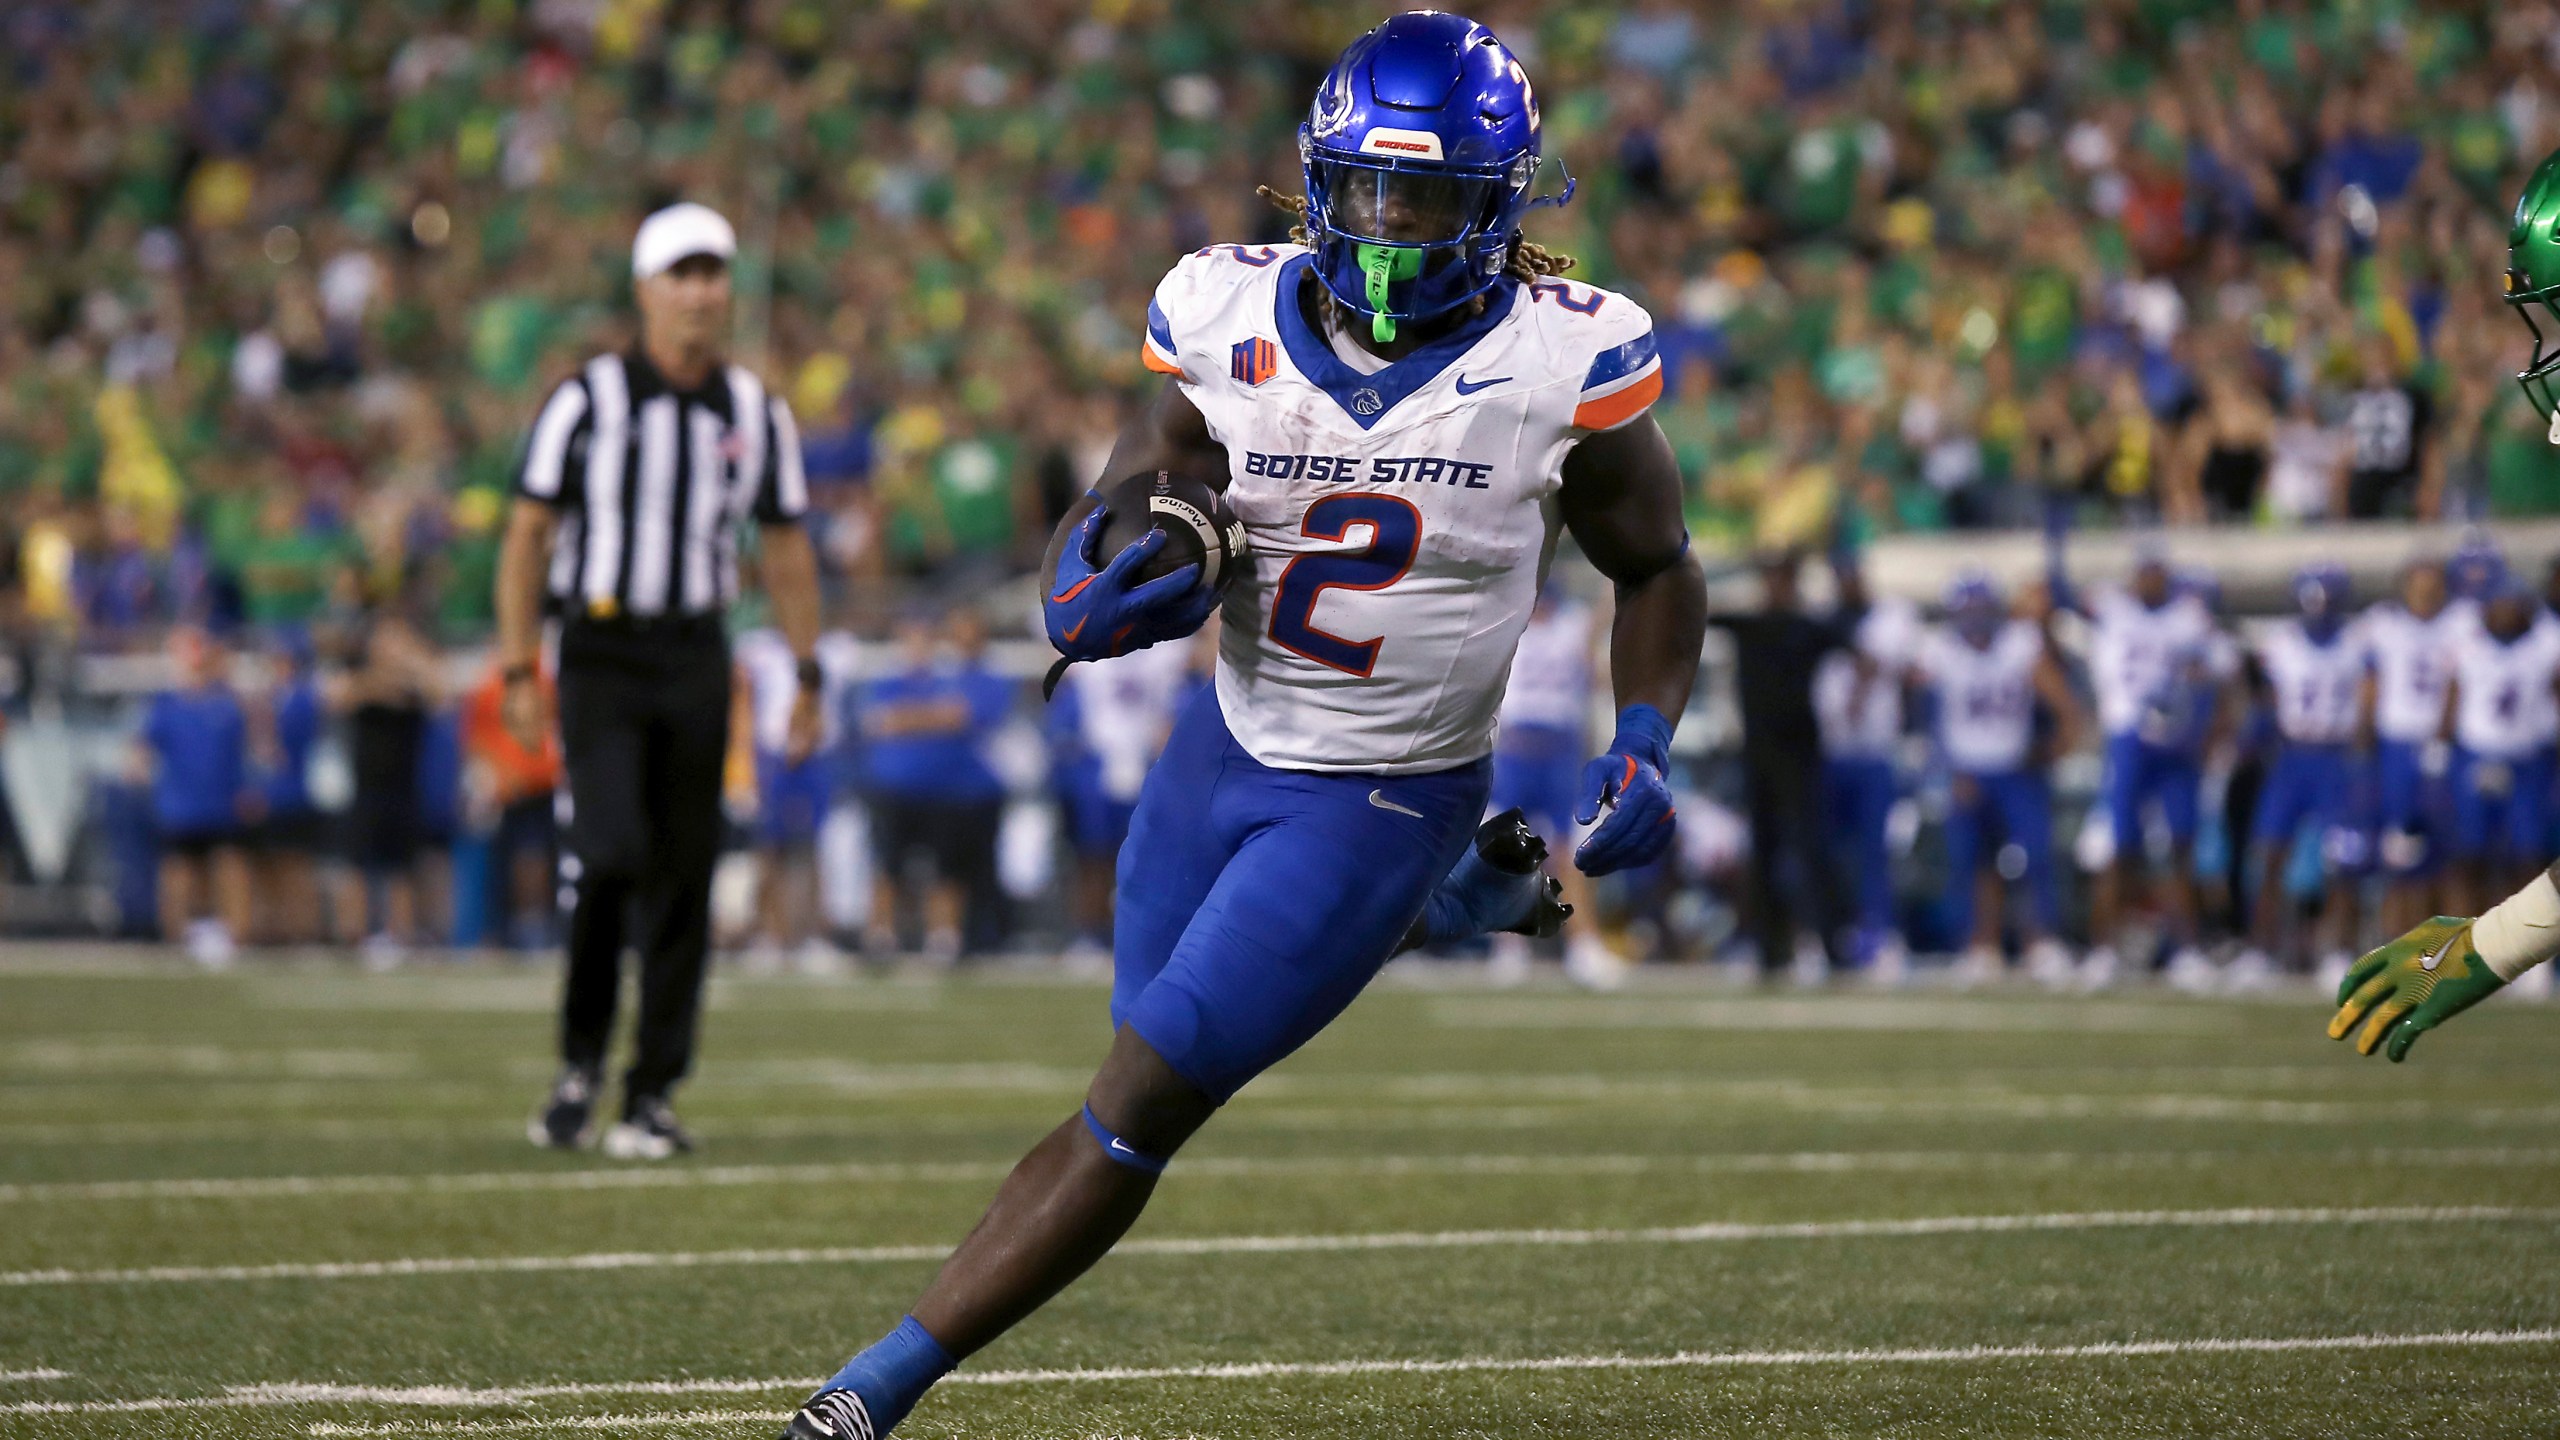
{"points": [[653, 483]]}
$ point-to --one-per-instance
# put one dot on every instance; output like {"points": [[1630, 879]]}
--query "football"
{"points": [[1199, 528]]}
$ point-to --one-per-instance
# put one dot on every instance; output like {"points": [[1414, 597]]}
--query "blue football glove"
{"points": [[1628, 783], [1094, 614]]}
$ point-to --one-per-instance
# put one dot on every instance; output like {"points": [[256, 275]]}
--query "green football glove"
{"points": [[2412, 985]]}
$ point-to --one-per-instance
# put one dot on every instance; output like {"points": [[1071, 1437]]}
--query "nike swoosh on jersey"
{"points": [[1466, 387], [1379, 799]]}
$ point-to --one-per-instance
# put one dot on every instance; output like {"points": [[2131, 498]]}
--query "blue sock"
{"points": [[894, 1373]]}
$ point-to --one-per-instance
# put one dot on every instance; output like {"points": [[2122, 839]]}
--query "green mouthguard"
{"points": [[1384, 264]]}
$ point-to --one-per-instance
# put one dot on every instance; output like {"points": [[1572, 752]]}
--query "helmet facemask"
{"points": [[2540, 379], [1396, 241]]}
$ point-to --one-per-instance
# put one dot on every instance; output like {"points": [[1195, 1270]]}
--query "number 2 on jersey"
{"points": [[1395, 536]]}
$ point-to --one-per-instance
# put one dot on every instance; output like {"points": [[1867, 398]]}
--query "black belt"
{"points": [[705, 625]]}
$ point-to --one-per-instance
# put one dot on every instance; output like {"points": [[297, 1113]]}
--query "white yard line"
{"points": [[673, 1420], [1419, 1102], [1714, 1232], [461, 1397], [12, 1377], [1808, 1162]]}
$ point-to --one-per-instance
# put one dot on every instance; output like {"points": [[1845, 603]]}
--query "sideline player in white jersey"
{"points": [[792, 796], [1858, 705], [2504, 721], [1400, 408], [1537, 767], [2158, 663], [2319, 668], [1989, 673], [2411, 644]]}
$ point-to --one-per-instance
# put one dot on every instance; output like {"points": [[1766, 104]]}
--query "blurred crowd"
{"points": [[284, 277]]}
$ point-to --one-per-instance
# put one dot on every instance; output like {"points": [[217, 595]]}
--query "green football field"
{"points": [[295, 1200]]}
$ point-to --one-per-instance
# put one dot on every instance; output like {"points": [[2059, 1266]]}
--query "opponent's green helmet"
{"points": [[2533, 283]]}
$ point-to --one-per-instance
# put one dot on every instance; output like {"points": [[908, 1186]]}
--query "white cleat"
{"points": [[818, 958], [209, 945], [649, 1132], [763, 958], [1890, 967], [2049, 964], [2098, 969], [1980, 965], [382, 952], [1510, 963], [1810, 969], [1591, 964], [2190, 972], [2332, 970], [2250, 972]]}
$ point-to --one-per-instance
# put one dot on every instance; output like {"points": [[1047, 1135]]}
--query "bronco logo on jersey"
{"points": [[1253, 361]]}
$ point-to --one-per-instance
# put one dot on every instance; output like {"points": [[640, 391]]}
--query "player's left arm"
{"points": [[1621, 502]]}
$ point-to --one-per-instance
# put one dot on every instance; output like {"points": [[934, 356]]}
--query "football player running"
{"points": [[2448, 964], [1395, 404]]}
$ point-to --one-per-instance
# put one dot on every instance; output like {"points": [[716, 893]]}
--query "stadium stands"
{"points": [[284, 280]]}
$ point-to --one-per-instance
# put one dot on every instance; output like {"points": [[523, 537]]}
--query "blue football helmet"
{"points": [[1976, 608], [1419, 153], [2322, 592], [2476, 570]]}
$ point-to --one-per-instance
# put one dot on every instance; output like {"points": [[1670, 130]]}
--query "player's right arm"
{"points": [[2444, 967], [1169, 434], [1094, 606]]}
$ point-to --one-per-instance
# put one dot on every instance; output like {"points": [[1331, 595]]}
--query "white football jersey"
{"points": [[2505, 706], [1399, 519], [1124, 710], [773, 681], [2317, 686], [2149, 666], [1551, 675], [1986, 697], [2412, 668], [1888, 635]]}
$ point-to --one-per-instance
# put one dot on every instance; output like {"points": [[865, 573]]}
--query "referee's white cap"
{"points": [[677, 233]]}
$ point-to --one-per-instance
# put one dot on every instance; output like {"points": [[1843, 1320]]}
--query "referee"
{"points": [[640, 470]]}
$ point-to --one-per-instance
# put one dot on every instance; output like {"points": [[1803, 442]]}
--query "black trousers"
{"points": [[1792, 879], [644, 732]]}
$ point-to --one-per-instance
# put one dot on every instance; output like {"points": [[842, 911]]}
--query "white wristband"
{"points": [[2522, 932]]}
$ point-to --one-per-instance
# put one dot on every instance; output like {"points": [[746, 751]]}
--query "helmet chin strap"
{"points": [[1383, 265]]}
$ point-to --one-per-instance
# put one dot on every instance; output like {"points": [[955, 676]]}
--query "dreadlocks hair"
{"points": [[1529, 260]]}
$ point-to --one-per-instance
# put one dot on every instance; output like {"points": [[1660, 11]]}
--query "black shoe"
{"points": [[831, 1415], [1506, 843], [567, 1119], [648, 1132]]}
